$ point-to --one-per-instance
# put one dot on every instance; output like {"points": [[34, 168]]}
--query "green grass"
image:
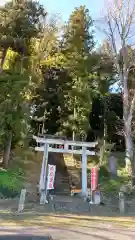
{"points": [[113, 185], [11, 182]]}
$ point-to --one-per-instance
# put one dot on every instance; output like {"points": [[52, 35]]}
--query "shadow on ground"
{"points": [[67, 233], [25, 237], [63, 219]]}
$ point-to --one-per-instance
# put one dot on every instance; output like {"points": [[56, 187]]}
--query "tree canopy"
{"points": [[54, 80]]}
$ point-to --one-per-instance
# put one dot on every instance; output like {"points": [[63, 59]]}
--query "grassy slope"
{"points": [[19, 172]]}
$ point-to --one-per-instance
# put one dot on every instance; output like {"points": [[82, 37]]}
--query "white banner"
{"points": [[51, 176]]}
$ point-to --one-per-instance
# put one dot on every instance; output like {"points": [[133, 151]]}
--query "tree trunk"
{"points": [[102, 151], [4, 53], [103, 145], [130, 157], [73, 133], [73, 138], [127, 117], [133, 171], [7, 149], [128, 144]]}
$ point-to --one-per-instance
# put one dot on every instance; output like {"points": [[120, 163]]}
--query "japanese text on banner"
{"points": [[51, 176]]}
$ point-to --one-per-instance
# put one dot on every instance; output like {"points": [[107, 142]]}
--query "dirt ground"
{"points": [[66, 227], [100, 232], [71, 219]]}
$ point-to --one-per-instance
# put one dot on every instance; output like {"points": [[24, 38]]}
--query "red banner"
{"points": [[94, 178]]}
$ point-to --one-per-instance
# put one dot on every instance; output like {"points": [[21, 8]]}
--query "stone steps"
{"points": [[63, 175], [69, 160]]}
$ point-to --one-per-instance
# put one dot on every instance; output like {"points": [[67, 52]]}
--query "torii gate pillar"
{"points": [[84, 172]]}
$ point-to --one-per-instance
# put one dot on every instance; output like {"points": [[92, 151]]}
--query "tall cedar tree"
{"points": [[77, 46], [20, 22]]}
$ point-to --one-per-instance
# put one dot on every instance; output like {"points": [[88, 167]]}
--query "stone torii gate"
{"points": [[47, 145]]}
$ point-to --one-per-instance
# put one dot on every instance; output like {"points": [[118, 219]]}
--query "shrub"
{"points": [[103, 173], [10, 182]]}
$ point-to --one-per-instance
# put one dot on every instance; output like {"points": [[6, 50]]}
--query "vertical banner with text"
{"points": [[51, 176], [94, 178]]}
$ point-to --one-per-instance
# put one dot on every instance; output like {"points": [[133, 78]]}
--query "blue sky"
{"points": [[65, 7]]}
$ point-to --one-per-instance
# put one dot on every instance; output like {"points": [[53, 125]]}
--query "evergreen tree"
{"points": [[77, 46], [20, 22], [50, 100]]}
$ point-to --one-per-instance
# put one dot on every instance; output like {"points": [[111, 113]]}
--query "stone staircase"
{"points": [[62, 185], [69, 160], [67, 172], [74, 170]]}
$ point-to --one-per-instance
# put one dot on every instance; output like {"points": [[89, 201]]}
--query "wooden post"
{"points": [[97, 198], [121, 203], [22, 200]]}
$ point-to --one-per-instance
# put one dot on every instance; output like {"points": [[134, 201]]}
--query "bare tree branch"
{"points": [[120, 27]]}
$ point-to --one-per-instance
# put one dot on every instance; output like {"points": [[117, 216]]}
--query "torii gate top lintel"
{"points": [[66, 144]]}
